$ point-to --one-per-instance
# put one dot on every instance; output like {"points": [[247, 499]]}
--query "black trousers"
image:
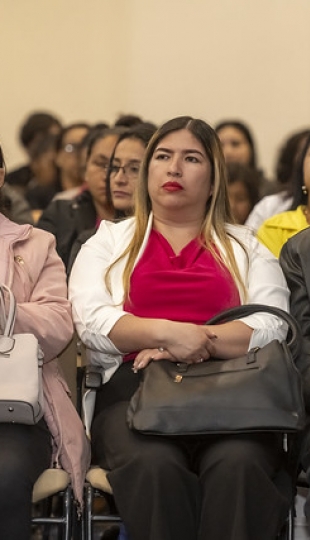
{"points": [[210, 488], [25, 452]]}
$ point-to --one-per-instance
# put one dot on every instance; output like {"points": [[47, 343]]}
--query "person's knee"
{"points": [[157, 462], [241, 457], [14, 478]]}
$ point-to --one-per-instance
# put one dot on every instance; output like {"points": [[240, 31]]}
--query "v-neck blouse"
{"points": [[189, 287]]}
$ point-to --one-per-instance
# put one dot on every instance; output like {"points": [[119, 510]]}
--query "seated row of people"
{"points": [[57, 165], [108, 191], [181, 247], [56, 158]]}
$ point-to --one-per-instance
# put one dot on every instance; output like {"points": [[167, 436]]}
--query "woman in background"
{"points": [[122, 171], [275, 231], [282, 200], [239, 147], [243, 191], [125, 167], [67, 219]]}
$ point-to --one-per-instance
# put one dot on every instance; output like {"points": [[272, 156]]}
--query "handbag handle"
{"points": [[7, 321], [248, 309]]}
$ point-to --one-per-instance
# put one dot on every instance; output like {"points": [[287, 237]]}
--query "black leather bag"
{"points": [[258, 392]]}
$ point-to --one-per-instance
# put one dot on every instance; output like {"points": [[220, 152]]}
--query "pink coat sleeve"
{"points": [[40, 288]]}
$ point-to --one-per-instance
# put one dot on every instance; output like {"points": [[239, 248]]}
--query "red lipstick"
{"points": [[172, 186]]}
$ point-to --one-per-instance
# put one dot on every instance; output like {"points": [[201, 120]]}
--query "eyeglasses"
{"points": [[131, 170], [71, 147]]}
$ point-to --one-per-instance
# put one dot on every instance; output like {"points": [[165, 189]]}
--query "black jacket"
{"points": [[67, 219], [295, 263]]}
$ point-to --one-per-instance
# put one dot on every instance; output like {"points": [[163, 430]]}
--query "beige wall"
{"points": [[92, 59]]}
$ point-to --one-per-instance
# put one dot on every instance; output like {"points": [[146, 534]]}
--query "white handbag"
{"points": [[21, 361]]}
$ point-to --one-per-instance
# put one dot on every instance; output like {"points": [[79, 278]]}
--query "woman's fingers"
{"points": [[144, 357]]}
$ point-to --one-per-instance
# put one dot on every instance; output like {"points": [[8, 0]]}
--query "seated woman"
{"points": [[282, 199], [66, 219], [295, 263], [275, 231], [239, 147], [243, 190], [142, 290], [122, 173], [31, 267]]}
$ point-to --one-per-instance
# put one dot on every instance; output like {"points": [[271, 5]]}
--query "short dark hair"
{"points": [[38, 123], [128, 120]]}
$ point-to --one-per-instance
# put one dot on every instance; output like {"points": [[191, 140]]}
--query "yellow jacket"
{"points": [[275, 231]]}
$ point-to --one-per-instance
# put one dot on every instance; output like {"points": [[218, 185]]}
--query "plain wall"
{"points": [[94, 59]]}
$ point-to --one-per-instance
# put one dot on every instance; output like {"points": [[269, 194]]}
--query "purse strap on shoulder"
{"points": [[294, 335], [7, 321]]}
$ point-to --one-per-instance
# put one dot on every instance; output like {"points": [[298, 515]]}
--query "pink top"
{"points": [[189, 287]]}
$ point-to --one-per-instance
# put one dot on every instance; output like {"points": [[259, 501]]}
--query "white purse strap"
{"points": [[7, 321]]}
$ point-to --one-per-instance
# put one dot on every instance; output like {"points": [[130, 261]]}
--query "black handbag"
{"points": [[258, 392]]}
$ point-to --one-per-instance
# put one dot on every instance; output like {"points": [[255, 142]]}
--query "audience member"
{"points": [[15, 206], [68, 158], [125, 167], [142, 290], [35, 128], [122, 177], [66, 219], [275, 231], [237, 142], [243, 192], [44, 184], [239, 147], [295, 263], [88, 139], [35, 273], [281, 200]]}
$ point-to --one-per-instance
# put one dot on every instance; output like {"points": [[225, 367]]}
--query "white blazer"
{"points": [[95, 310]]}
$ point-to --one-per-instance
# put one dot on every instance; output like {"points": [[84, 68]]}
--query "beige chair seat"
{"points": [[50, 482], [97, 478]]}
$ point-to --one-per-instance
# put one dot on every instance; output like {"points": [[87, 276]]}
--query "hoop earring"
{"points": [[304, 189]]}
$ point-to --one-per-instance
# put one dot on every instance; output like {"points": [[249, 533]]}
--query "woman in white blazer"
{"points": [[141, 290]]}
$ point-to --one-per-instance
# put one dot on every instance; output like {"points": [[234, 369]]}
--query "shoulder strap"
{"points": [[7, 321], [249, 309]]}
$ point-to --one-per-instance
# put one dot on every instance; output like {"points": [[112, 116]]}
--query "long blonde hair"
{"points": [[217, 214]]}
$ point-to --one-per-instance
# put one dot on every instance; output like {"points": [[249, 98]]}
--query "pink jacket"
{"points": [[30, 266]]}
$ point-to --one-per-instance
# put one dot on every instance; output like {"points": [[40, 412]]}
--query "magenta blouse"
{"points": [[189, 287]]}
